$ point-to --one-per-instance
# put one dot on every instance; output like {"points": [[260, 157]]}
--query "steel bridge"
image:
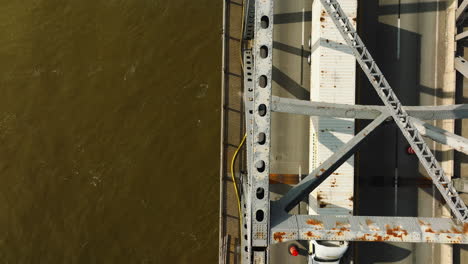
{"points": [[266, 222]]}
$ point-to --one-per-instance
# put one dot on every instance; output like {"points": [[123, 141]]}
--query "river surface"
{"points": [[109, 131]]}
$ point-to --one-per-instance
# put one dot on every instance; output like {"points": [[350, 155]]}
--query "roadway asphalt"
{"points": [[291, 79], [406, 39]]}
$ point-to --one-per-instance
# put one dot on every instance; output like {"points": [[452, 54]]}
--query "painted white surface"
{"points": [[333, 78]]}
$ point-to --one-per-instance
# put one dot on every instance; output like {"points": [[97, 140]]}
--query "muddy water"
{"points": [[109, 131]]}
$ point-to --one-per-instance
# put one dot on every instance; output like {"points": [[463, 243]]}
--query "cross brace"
{"points": [[461, 65], [321, 173], [396, 109], [368, 228], [302, 107]]}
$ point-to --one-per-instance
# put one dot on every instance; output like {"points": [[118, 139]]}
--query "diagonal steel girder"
{"points": [[321, 173], [461, 8], [461, 65], [461, 36], [442, 136], [303, 107], [396, 109]]}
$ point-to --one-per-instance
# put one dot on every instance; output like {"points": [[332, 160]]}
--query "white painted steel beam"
{"points": [[320, 174], [461, 65], [462, 35], [256, 230], [394, 106], [303, 107], [442, 136], [333, 79], [461, 9], [461, 184], [369, 228], [246, 196]]}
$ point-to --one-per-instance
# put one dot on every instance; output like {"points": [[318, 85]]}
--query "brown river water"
{"points": [[109, 131]]}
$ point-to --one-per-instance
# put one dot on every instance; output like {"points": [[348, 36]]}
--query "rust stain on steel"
{"points": [[421, 222], [376, 237], [429, 230], [341, 227], [369, 237], [396, 232], [314, 222], [322, 169], [455, 230], [342, 230], [260, 235], [351, 198], [380, 238], [319, 197], [369, 222], [333, 183], [322, 19], [323, 204], [465, 228], [342, 224], [364, 237], [312, 235], [278, 236]]}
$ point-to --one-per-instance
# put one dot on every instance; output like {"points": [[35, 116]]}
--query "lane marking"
{"points": [[303, 25], [398, 38]]}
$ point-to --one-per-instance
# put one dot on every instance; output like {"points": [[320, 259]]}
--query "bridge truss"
{"points": [[266, 222]]}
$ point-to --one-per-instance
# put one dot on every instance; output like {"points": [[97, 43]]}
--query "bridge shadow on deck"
{"points": [[380, 161]]}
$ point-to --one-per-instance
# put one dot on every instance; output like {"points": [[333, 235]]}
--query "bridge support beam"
{"points": [[461, 65], [442, 136], [302, 107], [314, 179], [369, 228]]}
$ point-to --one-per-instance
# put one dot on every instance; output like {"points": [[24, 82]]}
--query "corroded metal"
{"points": [[259, 142], [267, 223], [316, 177], [396, 109], [369, 228], [246, 229]]}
